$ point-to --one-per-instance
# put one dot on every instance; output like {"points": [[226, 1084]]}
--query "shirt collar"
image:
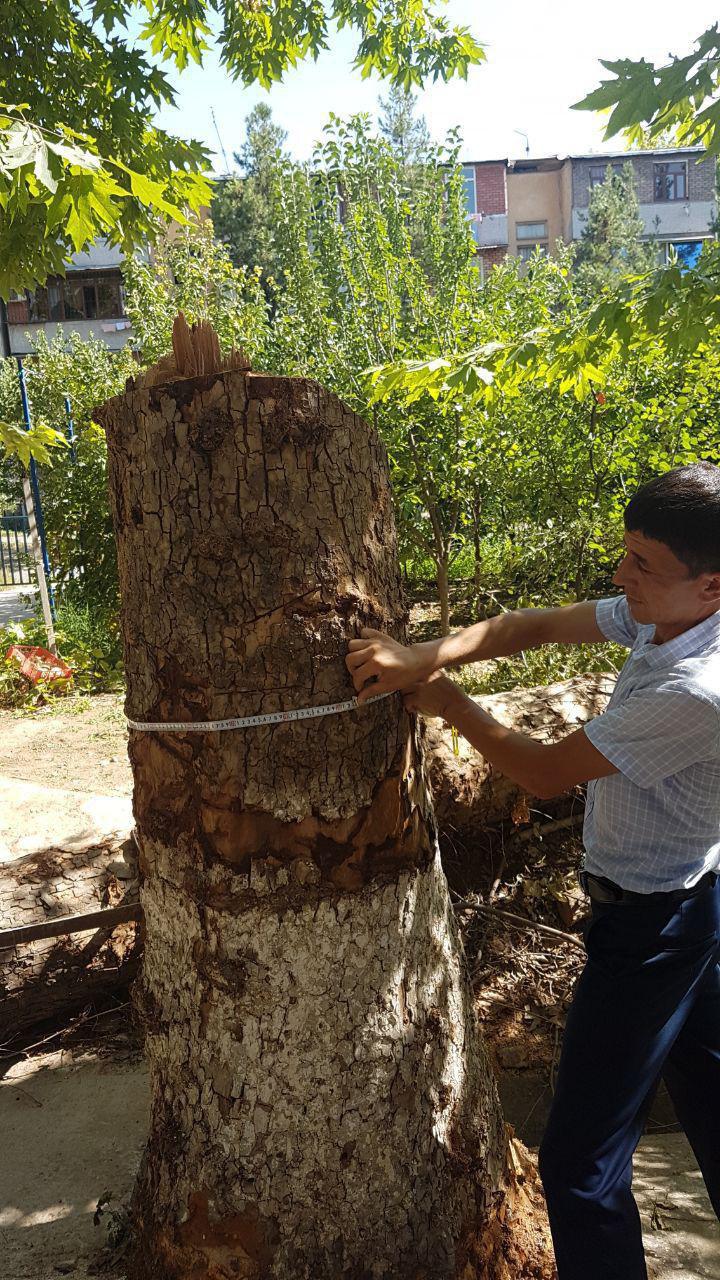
{"points": [[701, 638]]}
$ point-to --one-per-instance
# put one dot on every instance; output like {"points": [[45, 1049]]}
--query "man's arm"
{"points": [[391, 666], [543, 769]]}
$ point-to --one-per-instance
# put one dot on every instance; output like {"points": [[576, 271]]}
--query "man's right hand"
{"points": [[379, 664]]}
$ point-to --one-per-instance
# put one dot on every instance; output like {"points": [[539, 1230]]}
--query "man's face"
{"points": [[659, 587]]}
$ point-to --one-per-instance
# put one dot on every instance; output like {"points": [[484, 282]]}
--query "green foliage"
{"points": [[78, 156], [610, 247], [39, 443], [191, 272], [406, 41], [75, 500], [378, 263], [543, 666], [88, 640], [647, 103], [241, 209]]}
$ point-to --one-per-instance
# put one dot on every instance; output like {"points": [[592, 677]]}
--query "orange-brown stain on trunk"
{"points": [[239, 1244]]}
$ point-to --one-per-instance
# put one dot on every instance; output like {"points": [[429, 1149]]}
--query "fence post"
{"points": [[33, 507], [35, 484], [70, 429]]}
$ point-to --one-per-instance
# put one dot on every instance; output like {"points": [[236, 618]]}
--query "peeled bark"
{"points": [[322, 1104]]}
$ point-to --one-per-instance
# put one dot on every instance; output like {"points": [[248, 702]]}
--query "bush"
{"points": [[87, 639]]}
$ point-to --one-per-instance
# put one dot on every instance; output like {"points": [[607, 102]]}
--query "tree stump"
{"points": [[322, 1103]]}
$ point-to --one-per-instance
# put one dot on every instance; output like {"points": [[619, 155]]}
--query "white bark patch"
{"points": [[323, 1070]]}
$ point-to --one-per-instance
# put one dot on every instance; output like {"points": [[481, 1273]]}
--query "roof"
{"points": [[552, 161]]}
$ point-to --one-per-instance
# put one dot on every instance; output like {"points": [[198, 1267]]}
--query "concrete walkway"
{"points": [[35, 817], [12, 608]]}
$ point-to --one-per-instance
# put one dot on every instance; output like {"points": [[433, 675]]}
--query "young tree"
{"points": [[611, 247], [242, 210], [191, 271], [377, 266], [406, 132]]}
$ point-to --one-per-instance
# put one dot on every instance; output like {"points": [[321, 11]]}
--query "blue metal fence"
{"points": [[16, 567]]}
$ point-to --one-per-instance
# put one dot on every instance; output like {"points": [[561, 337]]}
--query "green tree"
{"points": [[191, 271], [376, 268], [75, 501], [405, 131], [79, 157], [611, 247], [242, 207]]}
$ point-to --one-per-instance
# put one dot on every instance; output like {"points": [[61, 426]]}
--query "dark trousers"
{"points": [[646, 1007]]}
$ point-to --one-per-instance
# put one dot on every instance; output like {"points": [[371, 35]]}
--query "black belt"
{"points": [[602, 890]]}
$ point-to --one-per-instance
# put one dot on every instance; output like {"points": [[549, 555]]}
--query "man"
{"points": [[647, 1004]]}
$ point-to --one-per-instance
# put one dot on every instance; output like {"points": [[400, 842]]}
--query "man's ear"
{"points": [[711, 588]]}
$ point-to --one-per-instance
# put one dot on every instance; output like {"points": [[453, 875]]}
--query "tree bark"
{"points": [[322, 1103], [443, 587]]}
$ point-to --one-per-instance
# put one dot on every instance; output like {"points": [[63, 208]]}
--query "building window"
{"points": [[468, 177], [670, 180], [527, 251], [18, 309], [531, 230], [597, 173], [93, 295], [531, 236]]}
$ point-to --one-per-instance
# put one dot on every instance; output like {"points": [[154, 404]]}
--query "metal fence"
{"points": [[16, 568]]}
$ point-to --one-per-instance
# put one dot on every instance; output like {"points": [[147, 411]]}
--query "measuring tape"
{"points": [[251, 722]]}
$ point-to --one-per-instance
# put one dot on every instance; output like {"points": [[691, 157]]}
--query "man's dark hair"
{"points": [[682, 509]]}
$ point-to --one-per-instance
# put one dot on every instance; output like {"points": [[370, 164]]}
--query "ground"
{"points": [[73, 1106]]}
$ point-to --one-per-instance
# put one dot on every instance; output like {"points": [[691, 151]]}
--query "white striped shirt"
{"points": [[655, 825]]}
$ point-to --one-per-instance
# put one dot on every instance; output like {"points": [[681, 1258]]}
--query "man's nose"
{"points": [[620, 577]]}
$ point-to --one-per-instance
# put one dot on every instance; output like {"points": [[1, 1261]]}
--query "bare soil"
{"points": [[78, 742]]}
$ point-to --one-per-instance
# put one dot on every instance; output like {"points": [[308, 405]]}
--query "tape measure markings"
{"points": [[250, 722]]}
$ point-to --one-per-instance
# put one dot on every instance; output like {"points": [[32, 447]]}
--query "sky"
{"points": [[541, 57]]}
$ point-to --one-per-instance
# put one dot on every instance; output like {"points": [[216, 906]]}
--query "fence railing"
{"points": [[16, 567]]}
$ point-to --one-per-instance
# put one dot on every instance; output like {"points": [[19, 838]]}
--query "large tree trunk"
{"points": [[322, 1104]]}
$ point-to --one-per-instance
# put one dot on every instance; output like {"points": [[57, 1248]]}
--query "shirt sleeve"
{"points": [[654, 735], [615, 620]]}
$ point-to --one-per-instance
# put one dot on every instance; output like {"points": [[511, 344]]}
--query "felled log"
{"points": [[469, 795], [41, 979]]}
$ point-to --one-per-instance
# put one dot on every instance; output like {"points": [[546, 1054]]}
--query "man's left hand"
{"points": [[437, 696]]}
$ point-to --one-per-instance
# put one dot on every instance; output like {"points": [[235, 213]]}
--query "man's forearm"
{"points": [[494, 638], [543, 769], [509, 633]]}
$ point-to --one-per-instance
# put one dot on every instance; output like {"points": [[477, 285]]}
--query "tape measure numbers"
{"points": [[251, 722]]}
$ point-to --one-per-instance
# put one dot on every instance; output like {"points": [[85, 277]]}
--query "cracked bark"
{"points": [[322, 1103]]}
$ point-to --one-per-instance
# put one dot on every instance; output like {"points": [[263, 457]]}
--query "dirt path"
{"points": [[73, 1129], [79, 744]]}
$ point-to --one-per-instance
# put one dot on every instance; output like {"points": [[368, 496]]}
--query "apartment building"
{"points": [[87, 300], [546, 200]]}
